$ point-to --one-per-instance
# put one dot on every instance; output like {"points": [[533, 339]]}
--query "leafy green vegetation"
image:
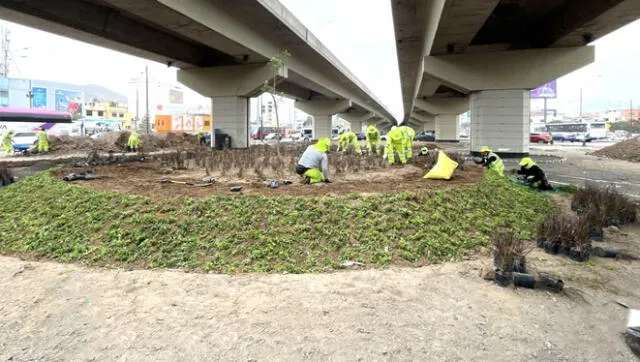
{"points": [[43, 217]]}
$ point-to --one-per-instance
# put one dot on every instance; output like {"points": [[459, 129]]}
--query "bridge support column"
{"points": [[230, 88], [322, 111], [321, 126], [232, 117], [500, 120], [447, 128]]}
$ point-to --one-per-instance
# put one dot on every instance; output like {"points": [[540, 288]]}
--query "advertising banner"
{"points": [[39, 100], [69, 101], [176, 123], [549, 90]]}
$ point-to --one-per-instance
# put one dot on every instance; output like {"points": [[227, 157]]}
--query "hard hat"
{"points": [[485, 149], [323, 144], [527, 162], [424, 150], [394, 127]]}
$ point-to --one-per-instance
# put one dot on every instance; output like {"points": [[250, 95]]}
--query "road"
{"points": [[580, 168]]}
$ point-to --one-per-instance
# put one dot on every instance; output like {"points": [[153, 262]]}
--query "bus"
{"points": [[17, 119], [577, 132]]}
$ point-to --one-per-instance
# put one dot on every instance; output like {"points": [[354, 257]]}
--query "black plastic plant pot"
{"points": [[551, 248], [524, 280], [540, 240], [606, 251], [549, 282], [501, 279], [612, 221], [564, 250], [632, 337], [579, 255], [596, 234]]}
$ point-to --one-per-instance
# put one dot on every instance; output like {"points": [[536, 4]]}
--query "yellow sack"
{"points": [[444, 168]]}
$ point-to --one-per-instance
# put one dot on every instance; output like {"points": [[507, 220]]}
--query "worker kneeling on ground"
{"points": [[347, 140], [43, 141], [373, 140], [7, 143], [314, 163], [409, 135], [533, 175], [395, 143], [491, 161], [134, 141]]}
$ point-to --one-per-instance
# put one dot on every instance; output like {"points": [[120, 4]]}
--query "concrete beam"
{"points": [[278, 29], [436, 106], [114, 26], [324, 107], [415, 24], [356, 117], [422, 118], [234, 80], [517, 69]]}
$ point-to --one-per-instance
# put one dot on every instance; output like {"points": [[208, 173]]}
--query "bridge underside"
{"points": [[486, 51]]}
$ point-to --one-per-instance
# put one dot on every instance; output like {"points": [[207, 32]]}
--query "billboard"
{"points": [[4, 92], [549, 90], [69, 101], [39, 100]]}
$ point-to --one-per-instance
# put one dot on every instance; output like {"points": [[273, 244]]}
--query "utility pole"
{"points": [[4, 50], [631, 109], [135, 125], [146, 76], [580, 102], [545, 110]]}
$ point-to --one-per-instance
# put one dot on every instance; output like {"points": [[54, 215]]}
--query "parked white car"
{"points": [[25, 139]]}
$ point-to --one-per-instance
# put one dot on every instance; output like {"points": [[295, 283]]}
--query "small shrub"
{"points": [[604, 206], [509, 252]]}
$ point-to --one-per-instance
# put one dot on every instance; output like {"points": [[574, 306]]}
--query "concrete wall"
{"points": [[500, 120]]}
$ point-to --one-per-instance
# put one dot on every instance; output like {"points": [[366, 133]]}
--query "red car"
{"points": [[542, 137]]}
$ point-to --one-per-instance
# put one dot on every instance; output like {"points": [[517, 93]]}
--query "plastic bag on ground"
{"points": [[444, 168]]}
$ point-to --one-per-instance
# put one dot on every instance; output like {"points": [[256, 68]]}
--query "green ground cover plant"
{"points": [[43, 217]]}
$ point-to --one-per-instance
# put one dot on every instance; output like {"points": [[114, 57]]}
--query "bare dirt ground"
{"points": [[55, 312], [143, 178]]}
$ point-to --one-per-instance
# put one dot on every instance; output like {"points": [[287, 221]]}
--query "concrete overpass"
{"points": [[485, 55], [222, 49]]}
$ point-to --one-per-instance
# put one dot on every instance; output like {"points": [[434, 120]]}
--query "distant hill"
{"points": [[104, 94]]}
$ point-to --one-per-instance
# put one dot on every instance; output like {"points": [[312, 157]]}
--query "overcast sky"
{"points": [[364, 43]]}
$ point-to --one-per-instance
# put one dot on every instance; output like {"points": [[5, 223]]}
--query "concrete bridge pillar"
{"points": [[322, 111], [498, 84], [230, 88], [500, 120], [447, 128]]}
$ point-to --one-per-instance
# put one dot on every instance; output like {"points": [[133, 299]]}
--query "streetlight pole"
{"points": [[146, 76]]}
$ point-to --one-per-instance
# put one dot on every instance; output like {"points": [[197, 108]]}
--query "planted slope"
{"points": [[44, 217]]}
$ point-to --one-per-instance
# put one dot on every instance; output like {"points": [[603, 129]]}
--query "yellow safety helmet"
{"points": [[485, 149], [527, 162], [372, 129], [424, 151], [323, 144]]}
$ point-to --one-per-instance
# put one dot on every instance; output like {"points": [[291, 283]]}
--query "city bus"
{"points": [[577, 132], [17, 119]]}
